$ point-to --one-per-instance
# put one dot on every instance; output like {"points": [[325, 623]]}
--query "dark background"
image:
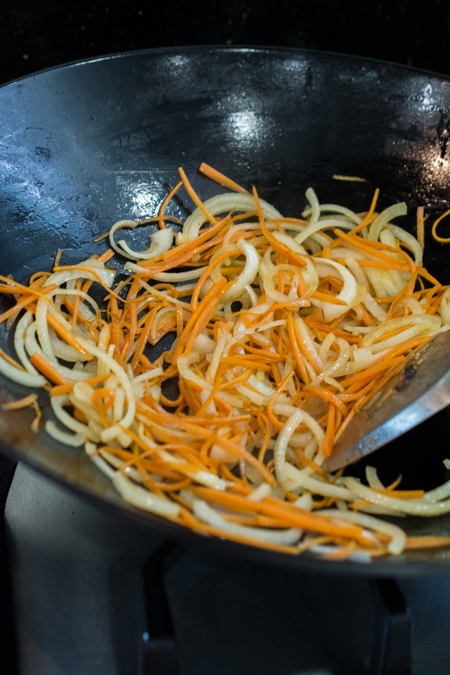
{"points": [[42, 33]]}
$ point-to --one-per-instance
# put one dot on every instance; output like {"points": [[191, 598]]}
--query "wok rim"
{"points": [[228, 48]]}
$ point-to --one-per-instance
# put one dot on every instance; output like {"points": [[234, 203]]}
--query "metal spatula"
{"points": [[418, 392]]}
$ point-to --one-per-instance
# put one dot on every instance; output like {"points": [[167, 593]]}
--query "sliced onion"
{"points": [[269, 283], [336, 365], [223, 203], [21, 376], [98, 271], [70, 422], [409, 240], [74, 440], [445, 307], [322, 224], [398, 536], [383, 219], [247, 275], [160, 242], [212, 517], [19, 343], [335, 208], [204, 345], [428, 322], [143, 499], [347, 294]]}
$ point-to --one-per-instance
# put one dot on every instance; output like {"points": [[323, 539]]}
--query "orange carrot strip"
{"points": [[246, 363], [374, 370], [195, 198], [220, 178], [66, 335], [384, 265], [20, 403], [165, 202], [67, 388], [368, 217], [284, 251], [430, 541], [328, 441], [207, 272], [269, 413], [326, 395], [46, 368], [433, 229], [309, 462], [107, 255], [327, 298], [420, 227], [401, 494], [16, 309]]}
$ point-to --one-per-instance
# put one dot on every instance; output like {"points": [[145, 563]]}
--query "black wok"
{"points": [[90, 143]]}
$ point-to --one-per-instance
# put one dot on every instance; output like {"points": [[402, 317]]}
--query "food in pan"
{"points": [[284, 328]]}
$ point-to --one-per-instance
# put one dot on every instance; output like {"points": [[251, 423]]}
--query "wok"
{"points": [[90, 143]]}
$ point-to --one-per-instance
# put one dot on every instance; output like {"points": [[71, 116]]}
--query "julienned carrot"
{"points": [[107, 255], [207, 272], [402, 494], [284, 251], [369, 215], [368, 246], [433, 229], [328, 441], [221, 178], [269, 413], [212, 296], [17, 308], [418, 543], [326, 395], [20, 403], [67, 388], [203, 317], [193, 195], [328, 298], [369, 373], [381, 264], [166, 201], [47, 369], [247, 362]]}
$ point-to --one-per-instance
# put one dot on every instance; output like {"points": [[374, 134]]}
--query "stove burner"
{"points": [[95, 596]]}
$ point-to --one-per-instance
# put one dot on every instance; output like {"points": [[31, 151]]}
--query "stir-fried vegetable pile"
{"points": [[284, 329]]}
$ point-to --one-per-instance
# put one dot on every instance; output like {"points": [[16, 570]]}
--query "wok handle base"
{"points": [[392, 645], [159, 652]]}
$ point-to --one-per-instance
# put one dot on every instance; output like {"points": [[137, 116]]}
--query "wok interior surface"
{"points": [[91, 143]]}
